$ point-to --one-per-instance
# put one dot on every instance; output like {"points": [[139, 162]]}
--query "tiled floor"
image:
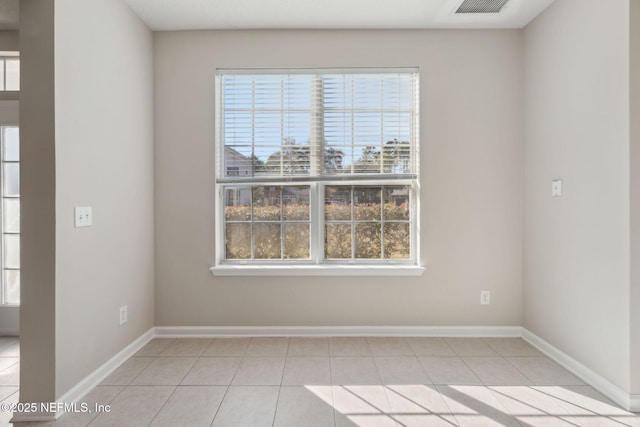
{"points": [[344, 382], [9, 374]]}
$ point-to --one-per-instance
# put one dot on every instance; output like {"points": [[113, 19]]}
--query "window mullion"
{"points": [[316, 232]]}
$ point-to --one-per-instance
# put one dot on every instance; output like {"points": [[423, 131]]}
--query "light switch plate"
{"points": [[556, 188], [84, 216]]}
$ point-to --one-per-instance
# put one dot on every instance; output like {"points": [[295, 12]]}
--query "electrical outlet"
{"points": [[485, 297], [123, 315]]}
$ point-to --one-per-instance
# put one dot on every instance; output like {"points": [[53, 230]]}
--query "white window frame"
{"points": [[3, 232], [316, 264]]}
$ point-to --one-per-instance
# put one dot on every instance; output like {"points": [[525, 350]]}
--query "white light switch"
{"points": [[84, 216], [556, 188]]}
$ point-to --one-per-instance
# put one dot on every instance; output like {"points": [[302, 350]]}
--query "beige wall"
{"points": [[9, 40], [634, 301], [104, 159], [471, 234], [576, 248]]}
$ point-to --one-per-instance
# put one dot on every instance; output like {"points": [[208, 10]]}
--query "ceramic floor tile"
{"points": [[495, 371], [430, 347], [418, 402], [154, 347], [422, 420], [349, 346], [191, 406], [127, 371], [7, 362], [582, 401], [448, 370], [7, 391], [628, 421], [543, 371], [10, 376], [227, 347], [307, 371], [512, 347], [308, 346], [135, 406], [354, 371], [267, 346], [401, 370], [212, 371], [299, 406], [475, 406], [528, 404], [369, 420], [365, 405], [233, 410], [547, 421], [5, 416], [97, 400], [186, 347], [389, 346], [259, 371], [165, 371], [470, 347]]}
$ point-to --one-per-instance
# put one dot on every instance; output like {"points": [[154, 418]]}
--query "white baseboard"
{"points": [[89, 382], [604, 386], [319, 331], [634, 403]]}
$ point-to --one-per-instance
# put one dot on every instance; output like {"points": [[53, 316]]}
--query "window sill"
{"points": [[317, 270]]}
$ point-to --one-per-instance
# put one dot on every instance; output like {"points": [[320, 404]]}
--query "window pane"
{"points": [[11, 148], [11, 251], [295, 202], [337, 241], [368, 238], [13, 74], [337, 203], [296, 241], [238, 241], [11, 178], [397, 241], [366, 204], [266, 203], [237, 204], [11, 216], [266, 240], [12, 287], [396, 203]]}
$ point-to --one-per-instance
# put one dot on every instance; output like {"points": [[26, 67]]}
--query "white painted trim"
{"points": [[634, 402], [317, 270], [78, 391], [294, 331], [596, 381]]}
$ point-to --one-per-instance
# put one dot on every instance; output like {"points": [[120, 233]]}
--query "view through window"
{"points": [[10, 212]]}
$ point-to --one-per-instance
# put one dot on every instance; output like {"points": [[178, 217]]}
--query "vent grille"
{"points": [[481, 6]]}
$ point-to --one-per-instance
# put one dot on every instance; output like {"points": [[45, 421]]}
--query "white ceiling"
{"points": [[163, 15]]}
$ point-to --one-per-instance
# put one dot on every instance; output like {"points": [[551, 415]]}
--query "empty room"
{"points": [[321, 213]]}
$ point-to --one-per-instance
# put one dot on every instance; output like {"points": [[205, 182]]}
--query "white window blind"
{"points": [[317, 124]]}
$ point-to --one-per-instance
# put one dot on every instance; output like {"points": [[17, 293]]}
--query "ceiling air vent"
{"points": [[481, 6]]}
